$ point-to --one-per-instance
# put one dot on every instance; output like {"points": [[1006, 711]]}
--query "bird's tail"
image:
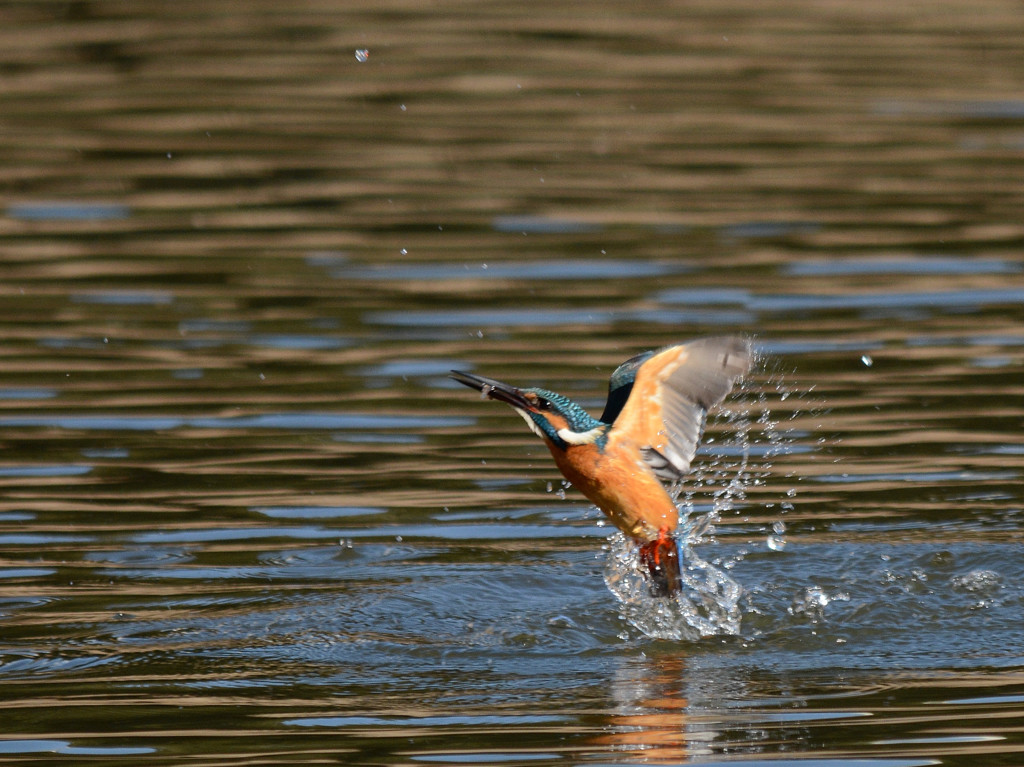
{"points": [[660, 557]]}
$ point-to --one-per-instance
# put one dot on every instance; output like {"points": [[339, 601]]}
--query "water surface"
{"points": [[245, 516]]}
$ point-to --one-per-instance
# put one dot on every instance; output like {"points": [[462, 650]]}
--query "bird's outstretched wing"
{"points": [[671, 394]]}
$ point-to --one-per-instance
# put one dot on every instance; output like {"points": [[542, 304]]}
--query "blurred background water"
{"points": [[246, 519]]}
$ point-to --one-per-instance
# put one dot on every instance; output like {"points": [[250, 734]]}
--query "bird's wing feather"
{"points": [[673, 391], [621, 384]]}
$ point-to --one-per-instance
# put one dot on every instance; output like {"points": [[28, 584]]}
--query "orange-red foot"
{"points": [[661, 559]]}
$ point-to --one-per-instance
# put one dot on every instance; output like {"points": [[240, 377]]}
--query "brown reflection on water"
{"points": [[233, 127], [653, 723]]}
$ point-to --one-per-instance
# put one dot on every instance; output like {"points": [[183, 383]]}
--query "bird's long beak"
{"points": [[491, 389]]}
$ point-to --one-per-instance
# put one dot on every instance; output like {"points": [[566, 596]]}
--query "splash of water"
{"points": [[709, 603]]}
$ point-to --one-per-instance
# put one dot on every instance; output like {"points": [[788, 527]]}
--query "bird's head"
{"points": [[553, 417]]}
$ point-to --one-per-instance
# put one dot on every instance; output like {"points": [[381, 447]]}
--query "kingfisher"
{"points": [[644, 442]]}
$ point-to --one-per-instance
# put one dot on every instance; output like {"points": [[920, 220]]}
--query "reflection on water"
{"points": [[245, 517], [651, 720]]}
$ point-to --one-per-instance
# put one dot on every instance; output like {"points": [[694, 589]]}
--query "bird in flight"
{"points": [[645, 439]]}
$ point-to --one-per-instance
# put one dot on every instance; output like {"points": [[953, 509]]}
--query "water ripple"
{"points": [[295, 421], [570, 269]]}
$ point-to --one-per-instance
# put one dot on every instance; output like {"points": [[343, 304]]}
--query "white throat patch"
{"points": [[581, 438]]}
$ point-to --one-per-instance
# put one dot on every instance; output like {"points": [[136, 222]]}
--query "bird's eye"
{"points": [[543, 404]]}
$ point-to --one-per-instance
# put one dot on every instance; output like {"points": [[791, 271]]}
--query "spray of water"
{"points": [[709, 603]]}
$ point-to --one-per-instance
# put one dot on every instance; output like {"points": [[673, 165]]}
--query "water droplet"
{"points": [[362, 54], [402, 107], [779, 526], [866, 359], [404, 252], [776, 542]]}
